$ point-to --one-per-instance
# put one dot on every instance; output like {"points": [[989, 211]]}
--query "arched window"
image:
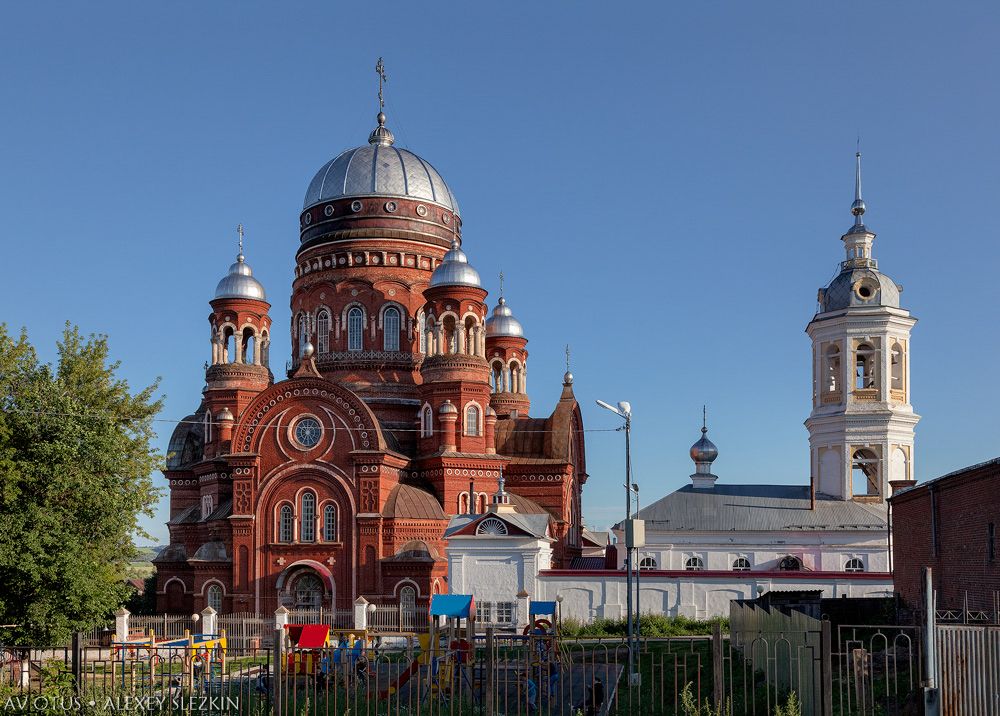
{"points": [[390, 329], [496, 377], [426, 422], [228, 345], [897, 367], [694, 564], [330, 523], [249, 345], [207, 505], [864, 473], [831, 369], [472, 421], [866, 360], [647, 563], [741, 564], [307, 525], [323, 332], [515, 378], [470, 346], [790, 564], [303, 334], [422, 332], [285, 524], [854, 565], [213, 597], [408, 599], [355, 329], [450, 336]]}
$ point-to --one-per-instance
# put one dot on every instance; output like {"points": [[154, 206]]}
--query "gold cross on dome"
{"points": [[380, 70]]}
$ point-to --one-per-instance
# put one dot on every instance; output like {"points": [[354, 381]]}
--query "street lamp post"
{"points": [[624, 410]]}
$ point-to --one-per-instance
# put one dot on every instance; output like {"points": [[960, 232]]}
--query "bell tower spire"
{"points": [[861, 427]]}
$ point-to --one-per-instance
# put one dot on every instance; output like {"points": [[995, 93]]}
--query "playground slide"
{"points": [[414, 667]]}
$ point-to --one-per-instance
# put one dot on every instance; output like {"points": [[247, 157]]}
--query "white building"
{"points": [[712, 541]]}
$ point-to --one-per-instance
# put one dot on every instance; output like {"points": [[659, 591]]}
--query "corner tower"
{"points": [[861, 425]]}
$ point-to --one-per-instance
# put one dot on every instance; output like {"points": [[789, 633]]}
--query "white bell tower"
{"points": [[861, 425]]}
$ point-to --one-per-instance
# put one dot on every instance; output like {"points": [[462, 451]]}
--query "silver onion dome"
{"points": [[503, 323], [240, 283], [379, 169], [455, 270], [704, 451]]}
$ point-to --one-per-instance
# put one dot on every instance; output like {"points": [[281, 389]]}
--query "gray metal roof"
{"points": [[843, 290], [379, 170], [762, 508]]}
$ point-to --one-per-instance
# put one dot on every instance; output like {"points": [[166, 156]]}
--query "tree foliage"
{"points": [[75, 466]]}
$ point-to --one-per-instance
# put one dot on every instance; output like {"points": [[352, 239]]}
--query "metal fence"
{"points": [[968, 669]]}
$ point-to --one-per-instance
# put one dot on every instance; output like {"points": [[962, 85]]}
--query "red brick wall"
{"points": [[964, 503]]}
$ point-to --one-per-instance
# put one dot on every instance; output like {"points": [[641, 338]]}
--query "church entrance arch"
{"points": [[306, 586]]}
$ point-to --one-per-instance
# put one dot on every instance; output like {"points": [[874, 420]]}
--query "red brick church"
{"points": [[405, 397]]}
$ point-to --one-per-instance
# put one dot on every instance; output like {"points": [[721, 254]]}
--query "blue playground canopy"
{"points": [[546, 608], [453, 605]]}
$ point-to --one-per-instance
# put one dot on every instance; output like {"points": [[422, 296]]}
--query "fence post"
{"points": [[121, 624], [280, 620], [718, 691], [209, 621], [490, 676], [826, 668], [77, 663], [279, 643], [932, 702], [361, 613]]}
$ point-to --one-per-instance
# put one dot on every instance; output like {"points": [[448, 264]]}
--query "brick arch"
{"points": [[366, 431]]}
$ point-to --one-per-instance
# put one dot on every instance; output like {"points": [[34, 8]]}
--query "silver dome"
{"points": [[704, 451], [455, 270], [379, 169], [503, 323], [240, 283], [859, 287]]}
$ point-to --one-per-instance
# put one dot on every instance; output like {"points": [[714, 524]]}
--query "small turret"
{"points": [[704, 453]]}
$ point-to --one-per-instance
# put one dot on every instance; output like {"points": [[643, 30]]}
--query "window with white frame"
{"points": [[854, 565], [390, 329], [323, 332], [213, 597], [741, 564], [422, 331], [330, 523], [207, 505], [408, 599], [790, 564], [426, 422], [355, 329], [694, 564], [505, 612], [285, 522], [303, 334], [647, 563], [307, 527], [472, 421]]}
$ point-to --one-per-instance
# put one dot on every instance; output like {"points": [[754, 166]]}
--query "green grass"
{"points": [[650, 625]]}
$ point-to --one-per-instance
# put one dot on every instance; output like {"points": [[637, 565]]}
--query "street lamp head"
{"points": [[625, 407], [559, 598], [635, 486], [608, 406]]}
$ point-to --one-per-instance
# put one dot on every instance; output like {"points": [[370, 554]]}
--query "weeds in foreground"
{"points": [[650, 625]]}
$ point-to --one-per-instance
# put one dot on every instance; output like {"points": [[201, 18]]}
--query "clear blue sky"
{"points": [[663, 185]]}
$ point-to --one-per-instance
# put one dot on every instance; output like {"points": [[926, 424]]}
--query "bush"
{"points": [[652, 625]]}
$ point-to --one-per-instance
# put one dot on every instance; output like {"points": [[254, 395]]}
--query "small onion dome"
{"points": [[240, 283], [225, 414], [503, 323], [455, 270], [704, 451], [447, 408]]}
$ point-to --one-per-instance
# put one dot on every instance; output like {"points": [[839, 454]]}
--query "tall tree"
{"points": [[75, 466]]}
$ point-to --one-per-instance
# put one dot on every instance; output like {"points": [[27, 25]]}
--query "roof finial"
{"points": [[501, 285], [567, 357], [381, 134], [704, 419], [858, 207], [380, 70], [239, 230]]}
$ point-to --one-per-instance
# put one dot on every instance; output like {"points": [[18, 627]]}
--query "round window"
{"points": [[865, 290], [308, 432]]}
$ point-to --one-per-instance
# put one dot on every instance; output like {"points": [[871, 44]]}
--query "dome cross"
{"points": [[239, 230], [380, 71]]}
